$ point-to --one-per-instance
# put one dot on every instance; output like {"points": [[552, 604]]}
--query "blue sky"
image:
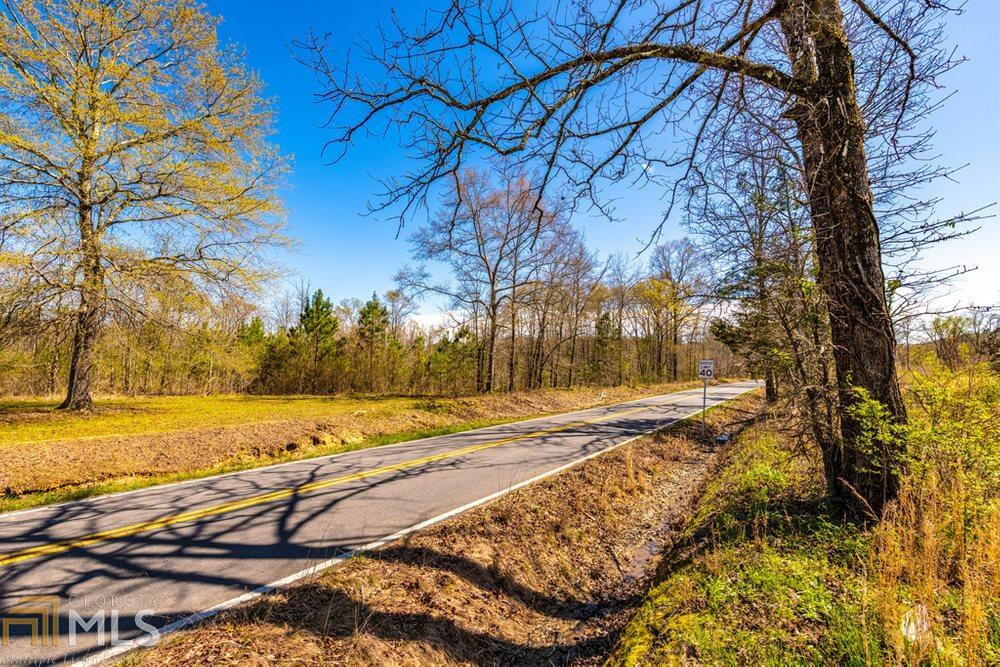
{"points": [[349, 254]]}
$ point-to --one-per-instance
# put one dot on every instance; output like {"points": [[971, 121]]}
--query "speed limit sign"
{"points": [[706, 371]]}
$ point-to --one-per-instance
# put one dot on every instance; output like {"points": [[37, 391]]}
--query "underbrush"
{"points": [[936, 558], [768, 571], [765, 572]]}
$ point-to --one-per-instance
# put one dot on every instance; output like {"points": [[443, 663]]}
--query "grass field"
{"points": [[25, 421], [127, 443]]}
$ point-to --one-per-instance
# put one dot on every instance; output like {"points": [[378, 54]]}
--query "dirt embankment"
{"points": [[544, 575], [37, 467]]}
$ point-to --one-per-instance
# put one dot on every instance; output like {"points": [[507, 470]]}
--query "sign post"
{"points": [[706, 371]]}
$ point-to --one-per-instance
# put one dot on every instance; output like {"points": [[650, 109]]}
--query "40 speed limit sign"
{"points": [[706, 371]]}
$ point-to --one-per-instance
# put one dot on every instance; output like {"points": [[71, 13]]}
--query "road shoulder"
{"points": [[545, 573]]}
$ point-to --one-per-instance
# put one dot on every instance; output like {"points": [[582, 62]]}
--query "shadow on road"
{"points": [[222, 556]]}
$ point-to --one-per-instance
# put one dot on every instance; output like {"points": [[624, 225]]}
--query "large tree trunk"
{"points": [[770, 386], [81, 365], [88, 321], [831, 130]]}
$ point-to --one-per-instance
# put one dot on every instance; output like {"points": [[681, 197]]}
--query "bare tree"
{"points": [[581, 280], [490, 239], [679, 273], [753, 215], [622, 279], [586, 93], [401, 307]]}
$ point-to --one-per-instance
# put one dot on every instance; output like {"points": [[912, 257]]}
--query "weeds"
{"points": [[769, 572], [936, 560]]}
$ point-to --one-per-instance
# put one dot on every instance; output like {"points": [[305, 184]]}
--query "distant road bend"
{"points": [[164, 557]]}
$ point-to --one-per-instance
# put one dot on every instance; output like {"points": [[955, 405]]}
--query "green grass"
{"points": [[36, 420], [122, 484], [772, 579], [771, 573]]}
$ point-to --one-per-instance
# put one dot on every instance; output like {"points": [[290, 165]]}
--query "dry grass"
{"points": [[50, 456], [937, 581], [538, 577], [936, 556], [773, 573]]}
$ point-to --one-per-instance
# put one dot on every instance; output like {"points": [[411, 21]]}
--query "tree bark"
{"points": [[127, 369], [832, 132], [88, 319], [512, 359], [661, 339], [621, 348], [770, 386]]}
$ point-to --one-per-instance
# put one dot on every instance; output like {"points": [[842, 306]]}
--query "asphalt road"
{"points": [[172, 553]]}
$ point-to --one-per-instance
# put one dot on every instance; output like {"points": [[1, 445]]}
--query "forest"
{"points": [[543, 314]]}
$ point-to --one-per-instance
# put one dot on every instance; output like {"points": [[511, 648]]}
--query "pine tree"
{"points": [[316, 335], [373, 328]]}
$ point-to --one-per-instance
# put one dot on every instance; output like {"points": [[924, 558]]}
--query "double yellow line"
{"points": [[281, 494]]}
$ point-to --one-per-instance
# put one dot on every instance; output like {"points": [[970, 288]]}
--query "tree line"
{"points": [[139, 199], [527, 307]]}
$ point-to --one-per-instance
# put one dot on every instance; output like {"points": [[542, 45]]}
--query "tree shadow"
{"points": [[329, 612], [332, 614], [230, 553]]}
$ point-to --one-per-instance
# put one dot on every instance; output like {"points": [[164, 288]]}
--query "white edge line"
{"points": [[326, 457], [200, 616]]}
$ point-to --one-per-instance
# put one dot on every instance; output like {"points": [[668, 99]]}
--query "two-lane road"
{"points": [[173, 553]]}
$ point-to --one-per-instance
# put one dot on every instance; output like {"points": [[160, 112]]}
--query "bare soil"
{"points": [[544, 575]]}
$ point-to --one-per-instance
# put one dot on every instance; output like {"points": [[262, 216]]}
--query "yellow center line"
{"points": [[53, 548]]}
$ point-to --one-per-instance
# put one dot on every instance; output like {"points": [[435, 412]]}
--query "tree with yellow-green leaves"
{"points": [[135, 161]]}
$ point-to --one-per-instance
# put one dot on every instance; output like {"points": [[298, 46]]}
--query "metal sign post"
{"points": [[706, 371]]}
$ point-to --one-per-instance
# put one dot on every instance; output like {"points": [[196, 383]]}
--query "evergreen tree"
{"points": [[316, 337], [373, 328], [602, 363]]}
